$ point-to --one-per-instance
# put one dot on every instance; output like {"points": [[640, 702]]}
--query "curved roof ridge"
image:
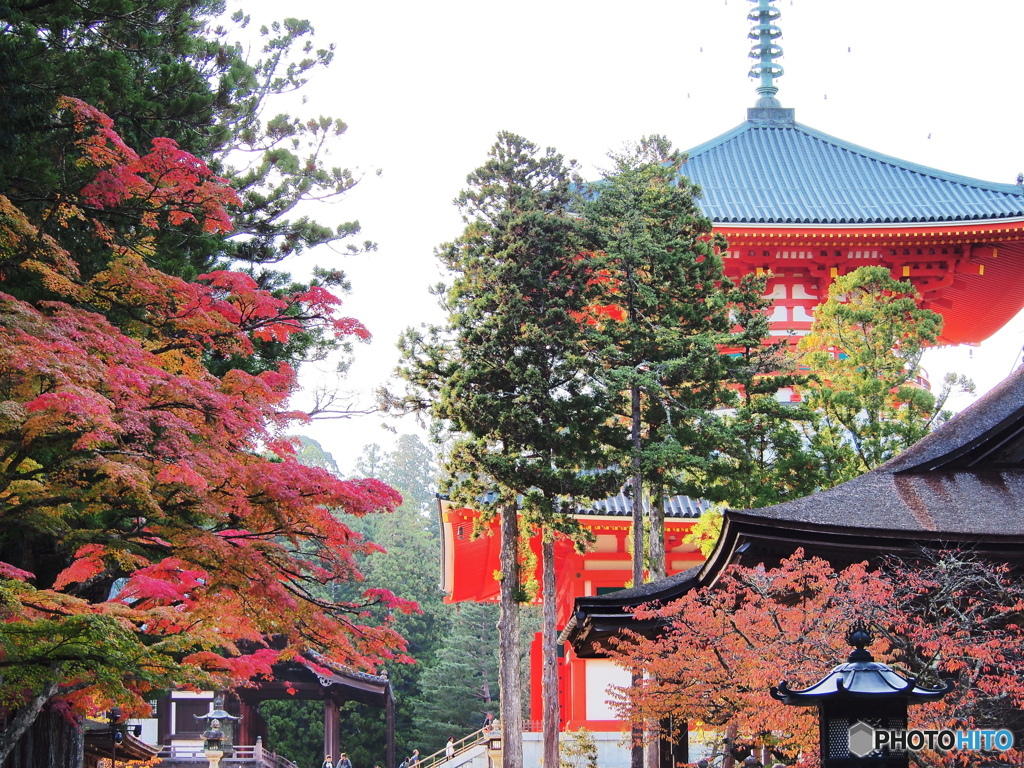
{"points": [[722, 138], [771, 170], [936, 173], [983, 444], [967, 431]]}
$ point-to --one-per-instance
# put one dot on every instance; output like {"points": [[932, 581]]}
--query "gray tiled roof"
{"points": [[622, 506], [964, 480], [675, 506], [961, 485], [774, 170]]}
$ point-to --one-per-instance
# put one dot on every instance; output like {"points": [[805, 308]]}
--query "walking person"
{"points": [[328, 763], [449, 748], [343, 762], [414, 759]]}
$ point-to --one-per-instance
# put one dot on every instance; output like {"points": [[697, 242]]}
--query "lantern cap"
{"points": [[861, 677], [217, 713]]}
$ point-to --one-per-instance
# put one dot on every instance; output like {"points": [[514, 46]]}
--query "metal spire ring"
{"points": [[766, 51]]}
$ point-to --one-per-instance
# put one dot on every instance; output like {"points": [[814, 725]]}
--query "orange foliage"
{"points": [[724, 647], [151, 540]]}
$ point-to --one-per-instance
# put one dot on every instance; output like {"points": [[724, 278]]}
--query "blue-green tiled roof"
{"points": [[774, 170]]}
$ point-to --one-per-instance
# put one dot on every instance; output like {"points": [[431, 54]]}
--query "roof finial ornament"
{"points": [[766, 51], [859, 636]]}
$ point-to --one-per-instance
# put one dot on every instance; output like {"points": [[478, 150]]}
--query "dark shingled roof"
{"points": [[773, 170], [966, 479], [962, 485]]}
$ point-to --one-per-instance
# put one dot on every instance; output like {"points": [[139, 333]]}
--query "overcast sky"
{"points": [[425, 86]]}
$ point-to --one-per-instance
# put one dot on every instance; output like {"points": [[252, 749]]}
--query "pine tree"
{"points": [[763, 455], [667, 324], [511, 375], [412, 470], [866, 345], [409, 564], [460, 687], [174, 70]]}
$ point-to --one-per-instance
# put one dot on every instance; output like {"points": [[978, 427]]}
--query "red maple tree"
{"points": [[943, 615], [157, 529]]}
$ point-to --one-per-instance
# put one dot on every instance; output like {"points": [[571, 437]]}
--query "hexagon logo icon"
{"points": [[862, 739]]}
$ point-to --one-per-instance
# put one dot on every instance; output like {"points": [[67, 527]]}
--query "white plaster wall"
{"points": [[611, 750], [600, 674]]}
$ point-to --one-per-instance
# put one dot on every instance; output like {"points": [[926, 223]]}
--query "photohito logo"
{"points": [[865, 739]]}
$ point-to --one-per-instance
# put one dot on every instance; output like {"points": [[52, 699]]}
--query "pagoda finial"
{"points": [[766, 51]]}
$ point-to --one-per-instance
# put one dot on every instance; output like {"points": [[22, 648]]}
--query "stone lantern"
{"points": [[855, 700], [494, 745], [213, 736]]}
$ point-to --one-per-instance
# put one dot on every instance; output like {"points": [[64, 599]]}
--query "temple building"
{"points": [[176, 724], [808, 207], [469, 559], [960, 486]]}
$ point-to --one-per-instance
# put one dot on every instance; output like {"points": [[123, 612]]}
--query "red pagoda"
{"points": [[807, 207]]}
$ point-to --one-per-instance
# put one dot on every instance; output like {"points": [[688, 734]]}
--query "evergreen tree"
{"points": [[763, 455], [865, 346], [410, 562], [412, 471], [312, 454], [169, 69], [863, 401], [460, 687], [371, 463], [668, 324], [510, 375], [295, 730]]}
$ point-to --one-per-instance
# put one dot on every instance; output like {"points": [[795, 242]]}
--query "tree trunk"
{"points": [[656, 570], [656, 565], [638, 490], [22, 722], [730, 736], [549, 689], [652, 750], [636, 758], [51, 740], [508, 641], [652, 734], [485, 683]]}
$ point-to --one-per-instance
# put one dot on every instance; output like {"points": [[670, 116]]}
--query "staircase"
{"points": [[467, 749]]}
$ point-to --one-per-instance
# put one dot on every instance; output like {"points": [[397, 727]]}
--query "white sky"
{"points": [[425, 86]]}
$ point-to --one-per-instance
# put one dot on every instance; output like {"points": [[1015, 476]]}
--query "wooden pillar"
{"points": [[245, 729], [674, 743], [332, 728], [389, 722], [164, 723]]}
